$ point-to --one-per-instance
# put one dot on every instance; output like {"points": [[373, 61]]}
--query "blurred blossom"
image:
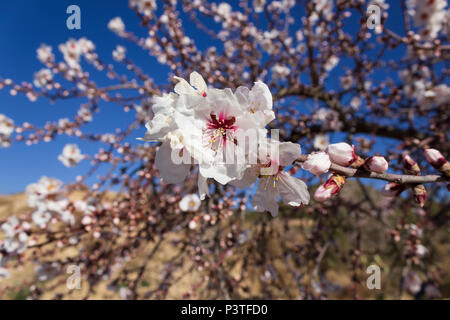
{"points": [[42, 78], [331, 63], [321, 141], [71, 51], [190, 202], [6, 129], [258, 5], [44, 53], [429, 16], [412, 282], [16, 239], [116, 25], [71, 155], [119, 53], [280, 71]]}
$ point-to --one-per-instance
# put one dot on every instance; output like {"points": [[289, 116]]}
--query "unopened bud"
{"points": [[410, 165], [317, 163], [342, 153], [392, 189], [376, 164], [435, 158], [420, 194], [330, 188]]}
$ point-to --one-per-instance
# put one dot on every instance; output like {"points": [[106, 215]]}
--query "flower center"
{"points": [[220, 129]]}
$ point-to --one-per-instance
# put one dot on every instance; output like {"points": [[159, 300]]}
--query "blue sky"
{"points": [[24, 25]]}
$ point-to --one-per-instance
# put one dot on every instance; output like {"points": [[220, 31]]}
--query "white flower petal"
{"points": [[169, 171], [197, 82], [293, 191], [203, 188], [289, 152], [266, 197], [183, 87]]}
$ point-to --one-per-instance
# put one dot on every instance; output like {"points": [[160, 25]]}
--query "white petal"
{"points": [[197, 81], [266, 197], [169, 171], [250, 176], [183, 87], [203, 188], [218, 172], [289, 152], [294, 192]]}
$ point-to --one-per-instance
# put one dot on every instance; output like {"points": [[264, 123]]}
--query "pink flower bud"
{"points": [[376, 164], [410, 165], [392, 189], [435, 158], [317, 163], [420, 195], [342, 153], [322, 194], [330, 188]]}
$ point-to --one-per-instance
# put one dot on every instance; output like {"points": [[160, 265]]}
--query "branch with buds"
{"points": [[391, 177]]}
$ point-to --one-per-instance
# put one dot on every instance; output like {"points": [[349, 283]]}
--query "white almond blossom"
{"points": [[119, 53], [71, 51], [438, 95], [412, 282], [16, 238], [42, 77], [211, 126], [273, 181], [258, 5], [428, 15], [71, 155], [44, 53], [116, 25], [321, 141], [280, 72], [6, 129], [207, 125], [146, 7], [45, 187], [190, 202], [224, 10], [198, 122], [331, 63], [47, 199], [85, 114]]}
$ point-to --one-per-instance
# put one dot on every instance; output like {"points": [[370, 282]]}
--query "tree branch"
{"points": [[391, 177]]}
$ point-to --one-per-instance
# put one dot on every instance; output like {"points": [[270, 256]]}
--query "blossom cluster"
{"points": [[210, 127], [48, 201], [429, 15], [71, 155]]}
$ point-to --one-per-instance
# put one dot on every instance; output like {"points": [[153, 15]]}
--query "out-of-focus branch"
{"points": [[357, 124]]}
